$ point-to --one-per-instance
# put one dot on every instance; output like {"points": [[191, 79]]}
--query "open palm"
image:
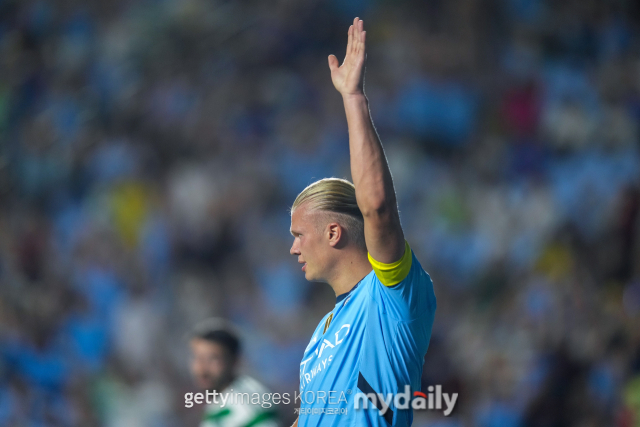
{"points": [[348, 78]]}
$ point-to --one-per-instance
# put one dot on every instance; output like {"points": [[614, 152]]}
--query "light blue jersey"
{"points": [[373, 341]]}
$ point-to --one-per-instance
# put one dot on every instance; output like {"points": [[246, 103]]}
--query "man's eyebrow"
{"points": [[293, 233]]}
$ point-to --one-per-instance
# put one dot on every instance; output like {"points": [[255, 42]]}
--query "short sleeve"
{"points": [[405, 290], [394, 273]]}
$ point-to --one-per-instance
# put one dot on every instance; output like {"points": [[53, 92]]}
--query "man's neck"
{"points": [[349, 272]]}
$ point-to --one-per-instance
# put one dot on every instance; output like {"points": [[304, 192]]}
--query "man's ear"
{"points": [[334, 234]]}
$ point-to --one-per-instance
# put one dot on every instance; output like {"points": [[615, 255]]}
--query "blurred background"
{"points": [[150, 150]]}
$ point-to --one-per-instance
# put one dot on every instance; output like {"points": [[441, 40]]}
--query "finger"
{"points": [[333, 63], [357, 29], [350, 40], [362, 44], [360, 29]]}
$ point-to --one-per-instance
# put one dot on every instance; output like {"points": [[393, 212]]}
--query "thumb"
{"points": [[333, 62]]}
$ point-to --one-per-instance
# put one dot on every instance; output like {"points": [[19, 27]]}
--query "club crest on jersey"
{"points": [[327, 323]]}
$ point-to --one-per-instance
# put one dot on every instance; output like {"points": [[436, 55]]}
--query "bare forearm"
{"points": [[369, 168], [374, 186]]}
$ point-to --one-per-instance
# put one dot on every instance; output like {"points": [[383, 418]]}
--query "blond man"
{"points": [[371, 346]]}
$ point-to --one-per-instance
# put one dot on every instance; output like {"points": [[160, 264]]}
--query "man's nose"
{"points": [[294, 249]]}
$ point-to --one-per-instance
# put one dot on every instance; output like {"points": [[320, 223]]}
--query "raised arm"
{"points": [[369, 169]]}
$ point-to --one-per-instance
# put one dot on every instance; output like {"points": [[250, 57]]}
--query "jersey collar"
{"points": [[341, 297]]}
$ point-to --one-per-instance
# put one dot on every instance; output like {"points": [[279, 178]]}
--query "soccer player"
{"points": [[215, 351], [349, 236]]}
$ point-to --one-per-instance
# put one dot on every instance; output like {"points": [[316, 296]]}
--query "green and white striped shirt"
{"points": [[243, 406]]}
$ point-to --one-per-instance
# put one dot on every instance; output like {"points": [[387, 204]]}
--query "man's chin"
{"points": [[310, 276], [314, 279]]}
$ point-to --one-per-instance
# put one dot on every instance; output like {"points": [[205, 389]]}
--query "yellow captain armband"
{"points": [[394, 273]]}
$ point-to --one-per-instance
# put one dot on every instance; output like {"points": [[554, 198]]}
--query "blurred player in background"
{"points": [[215, 355], [376, 337]]}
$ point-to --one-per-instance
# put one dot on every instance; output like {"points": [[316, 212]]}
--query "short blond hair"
{"points": [[336, 197]]}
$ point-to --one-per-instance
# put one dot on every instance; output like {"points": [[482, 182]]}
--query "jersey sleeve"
{"points": [[394, 273], [405, 290]]}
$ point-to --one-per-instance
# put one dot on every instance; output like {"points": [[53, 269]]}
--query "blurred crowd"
{"points": [[150, 150]]}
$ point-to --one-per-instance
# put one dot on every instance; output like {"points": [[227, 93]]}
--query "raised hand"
{"points": [[348, 78]]}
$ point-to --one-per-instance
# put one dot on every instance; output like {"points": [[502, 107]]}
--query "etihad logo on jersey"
{"points": [[309, 371]]}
